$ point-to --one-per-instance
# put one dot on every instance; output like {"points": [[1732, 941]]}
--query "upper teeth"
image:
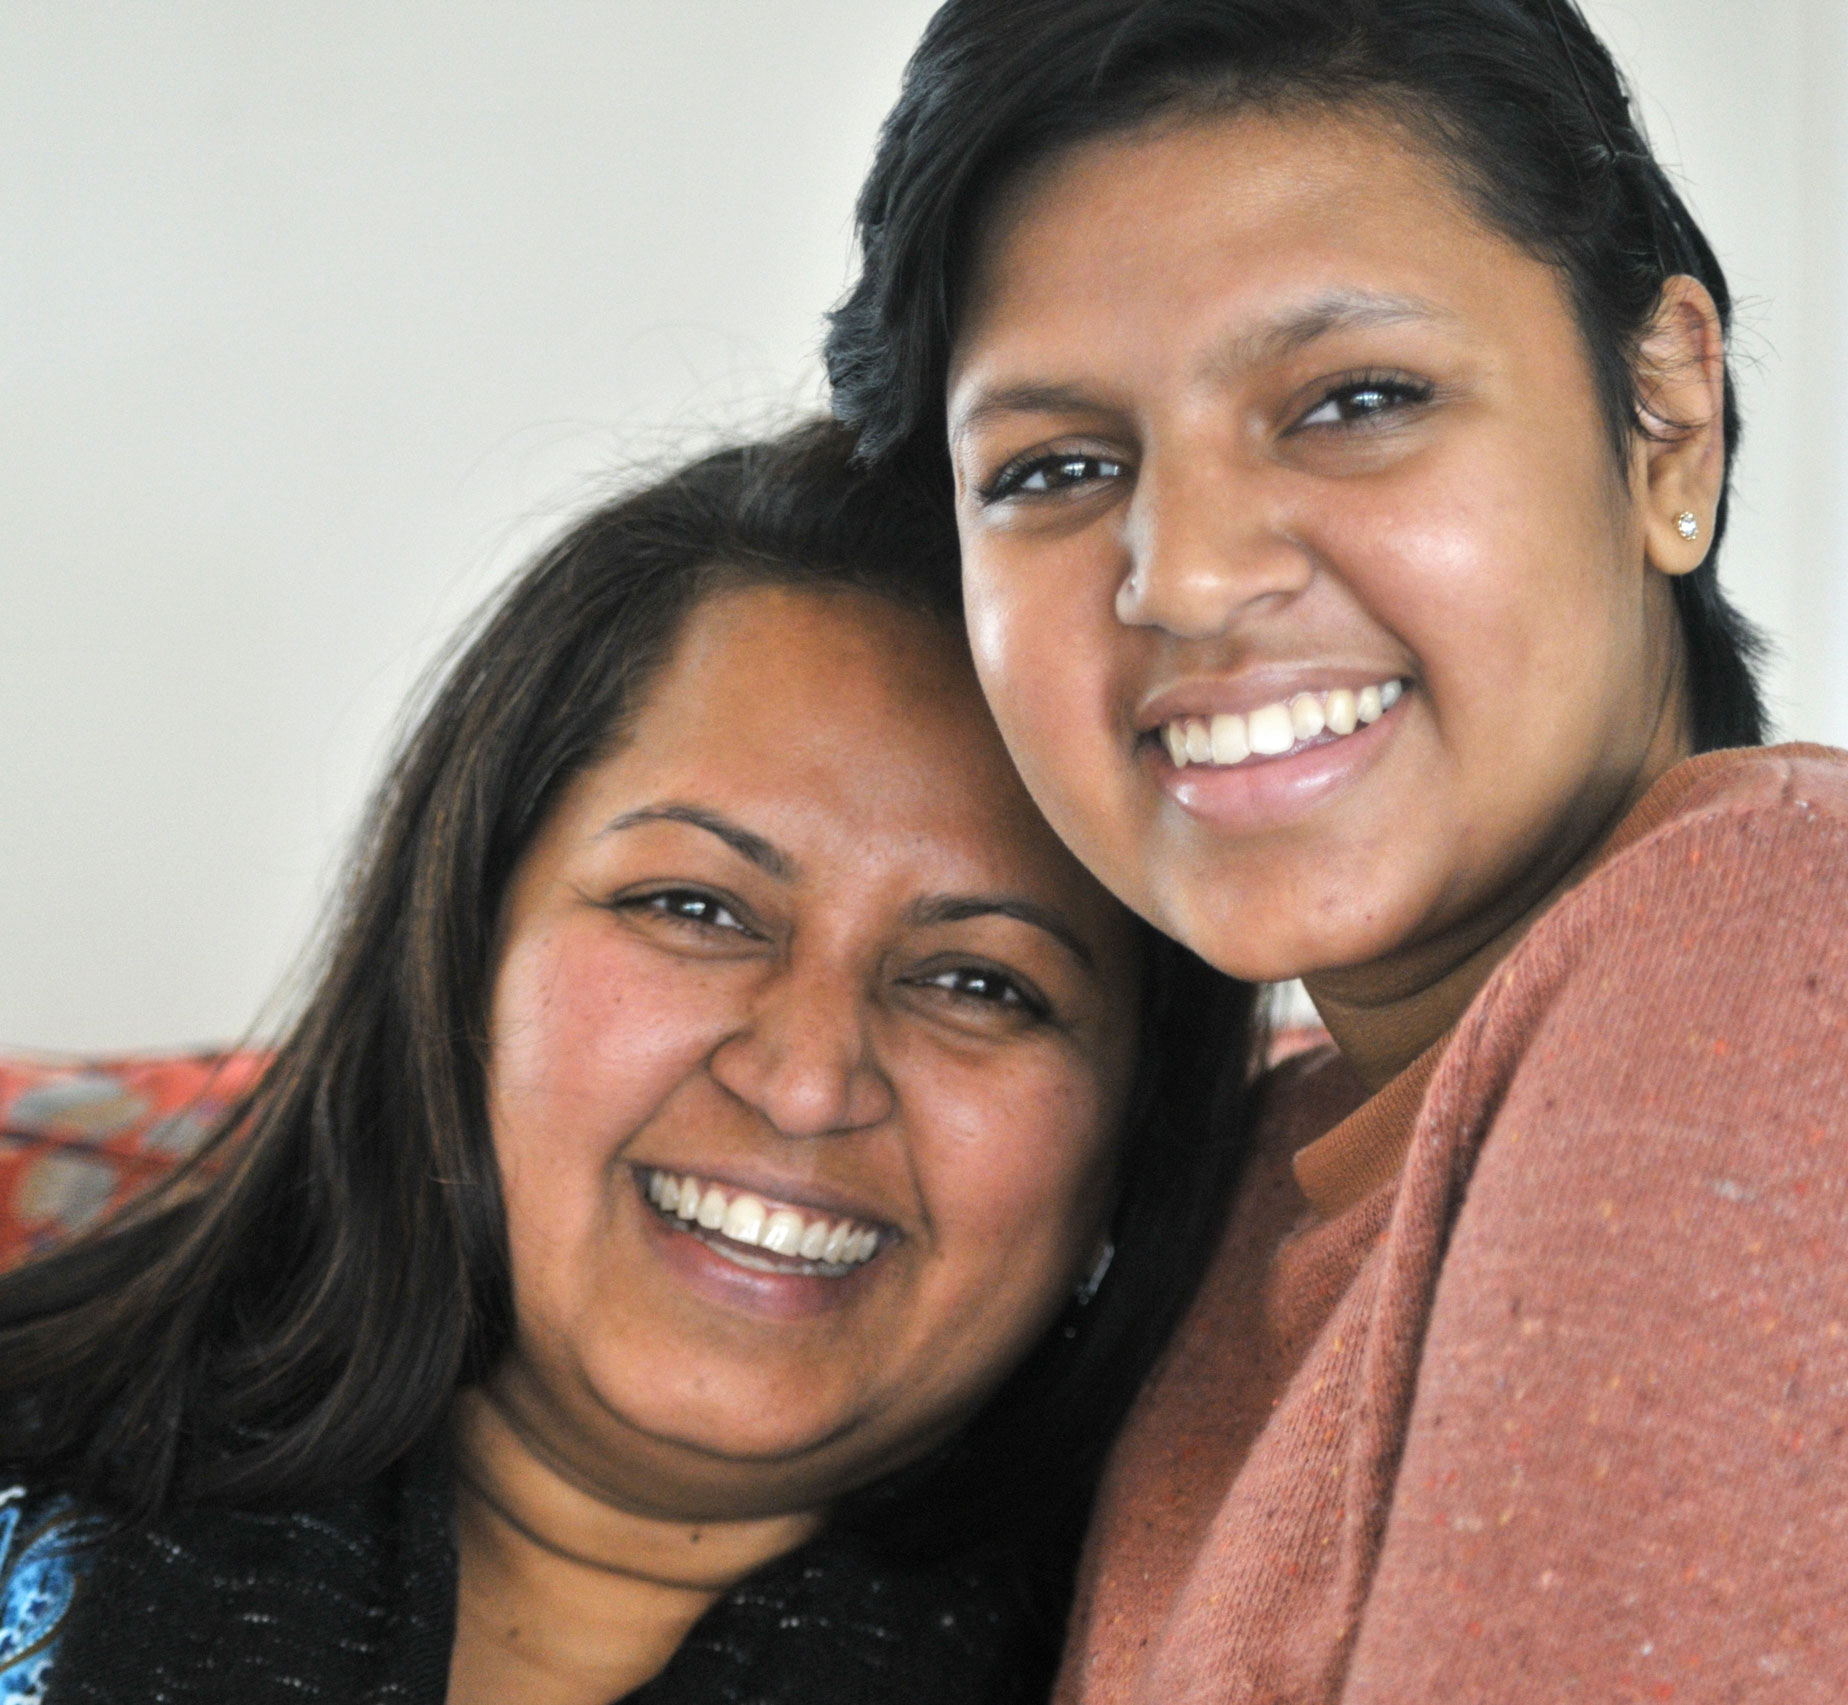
{"points": [[1274, 729], [777, 1229]]}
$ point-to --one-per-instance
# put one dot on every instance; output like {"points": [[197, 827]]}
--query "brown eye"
{"points": [[686, 906], [1365, 400], [987, 986], [1041, 476]]}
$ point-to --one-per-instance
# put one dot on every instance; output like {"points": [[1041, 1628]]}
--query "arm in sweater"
{"points": [[1626, 1470]]}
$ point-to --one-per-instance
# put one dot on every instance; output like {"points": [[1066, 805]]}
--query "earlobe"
{"points": [[1681, 457]]}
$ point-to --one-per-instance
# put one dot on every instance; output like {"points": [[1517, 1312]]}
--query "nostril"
{"points": [[1195, 581], [1192, 602], [804, 1084]]}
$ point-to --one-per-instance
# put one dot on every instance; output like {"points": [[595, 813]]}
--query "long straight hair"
{"points": [[294, 1312]]}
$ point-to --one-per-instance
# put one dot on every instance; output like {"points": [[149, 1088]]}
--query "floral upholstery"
{"points": [[78, 1138]]}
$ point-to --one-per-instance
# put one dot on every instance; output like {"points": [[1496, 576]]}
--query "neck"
{"points": [[566, 1597], [1382, 1016]]}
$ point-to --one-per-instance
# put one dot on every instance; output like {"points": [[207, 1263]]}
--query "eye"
{"points": [[985, 985], [1359, 402], [1042, 476], [690, 906]]}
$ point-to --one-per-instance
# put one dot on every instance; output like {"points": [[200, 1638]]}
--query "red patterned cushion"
{"points": [[79, 1137]]}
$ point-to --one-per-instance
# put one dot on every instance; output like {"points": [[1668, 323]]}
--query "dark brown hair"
{"points": [[294, 1313]]}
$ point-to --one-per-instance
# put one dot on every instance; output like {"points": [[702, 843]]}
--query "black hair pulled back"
{"points": [[1519, 97]]}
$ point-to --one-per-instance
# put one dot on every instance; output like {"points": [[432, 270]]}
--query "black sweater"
{"points": [[354, 1600]]}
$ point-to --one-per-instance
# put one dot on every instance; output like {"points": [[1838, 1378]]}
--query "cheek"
{"points": [[585, 1045], [1048, 650], [1015, 1170], [1003, 637], [1513, 610], [1014, 1173]]}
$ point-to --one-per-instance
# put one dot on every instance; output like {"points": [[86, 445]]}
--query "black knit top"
{"points": [[354, 1600]]}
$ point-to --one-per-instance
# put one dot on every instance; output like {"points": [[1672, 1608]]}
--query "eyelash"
{"points": [[1393, 391], [1011, 480], [680, 905], [1013, 993]]}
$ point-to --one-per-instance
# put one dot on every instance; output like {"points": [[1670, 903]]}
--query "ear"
{"points": [[1679, 465]]}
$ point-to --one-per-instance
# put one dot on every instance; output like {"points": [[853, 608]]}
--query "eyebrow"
{"points": [[1020, 399], [741, 840], [957, 908], [1322, 316], [1294, 329]]}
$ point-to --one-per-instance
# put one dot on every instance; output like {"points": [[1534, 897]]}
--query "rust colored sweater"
{"points": [[1527, 1379]]}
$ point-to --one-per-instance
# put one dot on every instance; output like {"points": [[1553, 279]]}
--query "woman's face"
{"points": [[1302, 579], [810, 1046]]}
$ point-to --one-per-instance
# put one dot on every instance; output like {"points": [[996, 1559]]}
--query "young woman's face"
{"points": [[810, 1047], [1301, 575]]}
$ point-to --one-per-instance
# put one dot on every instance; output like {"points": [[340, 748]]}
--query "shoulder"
{"points": [[1732, 874], [1640, 1127], [1623, 1215], [1742, 809], [1801, 775], [1689, 998]]}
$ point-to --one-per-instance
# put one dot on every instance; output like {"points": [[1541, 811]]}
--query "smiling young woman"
{"points": [[1333, 398], [1368, 478], [671, 1258]]}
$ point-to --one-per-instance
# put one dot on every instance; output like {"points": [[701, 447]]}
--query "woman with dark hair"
{"points": [[671, 1256], [1333, 397]]}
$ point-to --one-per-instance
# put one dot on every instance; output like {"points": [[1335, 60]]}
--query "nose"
{"points": [[805, 1057], [1205, 540]]}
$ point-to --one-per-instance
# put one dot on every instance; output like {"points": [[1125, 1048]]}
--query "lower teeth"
{"points": [[758, 1262]]}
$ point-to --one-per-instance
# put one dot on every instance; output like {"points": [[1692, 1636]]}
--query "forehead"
{"points": [[1220, 215], [801, 677], [837, 723]]}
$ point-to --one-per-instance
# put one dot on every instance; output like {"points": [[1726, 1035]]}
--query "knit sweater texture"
{"points": [[1526, 1379]]}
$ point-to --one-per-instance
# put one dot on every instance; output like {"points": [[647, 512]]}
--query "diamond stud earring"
{"points": [[1687, 524]]}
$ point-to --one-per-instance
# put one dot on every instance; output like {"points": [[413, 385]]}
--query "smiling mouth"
{"points": [[766, 1237], [1280, 729]]}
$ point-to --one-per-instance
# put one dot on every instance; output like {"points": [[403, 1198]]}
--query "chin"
{"points": [[1267, 953], [733, 1420]]}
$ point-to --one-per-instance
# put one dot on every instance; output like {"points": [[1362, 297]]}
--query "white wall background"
{"points": [[315, 317]]}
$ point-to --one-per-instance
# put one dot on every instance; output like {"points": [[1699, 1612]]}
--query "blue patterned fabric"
{"points": [[40, 1564]]}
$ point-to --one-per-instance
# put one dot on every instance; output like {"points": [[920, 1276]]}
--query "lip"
{"points": [[1272, 793], [1242, 694], [742, 1290]]}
